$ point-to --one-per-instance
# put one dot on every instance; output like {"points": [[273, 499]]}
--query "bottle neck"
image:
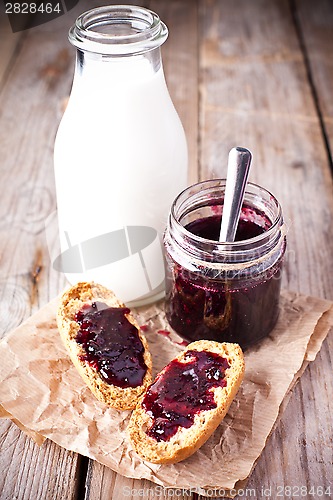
{"points": [[104, 70], [118, 47]]}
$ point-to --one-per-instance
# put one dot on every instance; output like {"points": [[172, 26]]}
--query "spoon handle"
{"points": [[238, 170]]}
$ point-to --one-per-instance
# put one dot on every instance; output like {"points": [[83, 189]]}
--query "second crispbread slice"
{"points": [[186, 440], [72, 301]]}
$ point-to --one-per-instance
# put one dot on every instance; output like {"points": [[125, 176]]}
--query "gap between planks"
{"points": [[307, 64]]}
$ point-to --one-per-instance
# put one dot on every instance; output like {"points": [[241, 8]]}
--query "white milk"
{"points": [[120, 159]]}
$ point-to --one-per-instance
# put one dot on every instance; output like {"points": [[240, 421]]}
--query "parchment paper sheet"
{"points": [[43, 394]]}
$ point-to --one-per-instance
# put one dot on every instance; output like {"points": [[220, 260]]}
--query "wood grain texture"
{"points": [[255, 93], [9, 43], [104, 484], [37, 80], [237, 75], [29, 471], [316, 29]]}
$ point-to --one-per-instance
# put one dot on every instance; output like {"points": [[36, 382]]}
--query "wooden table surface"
{"points": [[256, 73]]}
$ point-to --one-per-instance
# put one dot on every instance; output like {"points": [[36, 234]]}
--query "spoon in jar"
{"points": [[239, 162]]}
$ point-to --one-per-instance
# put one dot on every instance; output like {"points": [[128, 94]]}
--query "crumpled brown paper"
{"points": [[43, 394]]}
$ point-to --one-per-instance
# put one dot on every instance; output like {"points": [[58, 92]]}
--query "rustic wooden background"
{"points": [[256, 73]]}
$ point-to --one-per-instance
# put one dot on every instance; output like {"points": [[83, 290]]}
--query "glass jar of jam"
{"points": [[227, 292]]}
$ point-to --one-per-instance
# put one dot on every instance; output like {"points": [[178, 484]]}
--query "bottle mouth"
{"points": [[118, 30]]}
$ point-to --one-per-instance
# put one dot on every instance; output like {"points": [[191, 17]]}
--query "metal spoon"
{"points": [[238, 170]]}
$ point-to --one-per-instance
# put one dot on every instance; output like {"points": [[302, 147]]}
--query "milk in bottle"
{"points": [[120, 155]]}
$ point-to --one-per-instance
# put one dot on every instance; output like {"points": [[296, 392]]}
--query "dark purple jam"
{"points": [[182, 391], [242, 311], [111, 344], [209, 227]]}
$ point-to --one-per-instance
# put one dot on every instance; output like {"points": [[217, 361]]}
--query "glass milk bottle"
{"points": [[120, 155]]}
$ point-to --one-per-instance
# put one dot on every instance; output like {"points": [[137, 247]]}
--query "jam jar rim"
{"points": [[263, 242], [83, 35]]}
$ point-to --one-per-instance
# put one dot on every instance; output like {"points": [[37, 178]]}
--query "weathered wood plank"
{"points": [[255, 93], [8, 44], [31, 103], [103, 484], [316, 25], [180, 61], [181, 70], [29, 471]]}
